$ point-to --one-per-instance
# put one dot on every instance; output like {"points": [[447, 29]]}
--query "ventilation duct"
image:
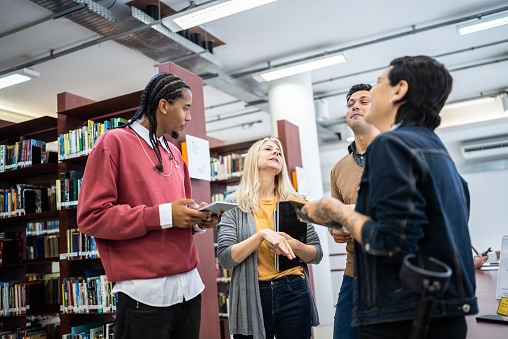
{"points": [[486, 148]]}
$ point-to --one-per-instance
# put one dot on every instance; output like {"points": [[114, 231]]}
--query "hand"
{"points": [[340, 237], [185, 215], [212, 220], [278, 243], [480, 260], [291, 241], [321, 211]]}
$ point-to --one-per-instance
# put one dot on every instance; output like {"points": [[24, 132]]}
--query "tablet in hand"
{"points": [[218, 207]]}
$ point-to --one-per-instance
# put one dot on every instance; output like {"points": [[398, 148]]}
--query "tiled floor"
{"points": [[323, 332]]}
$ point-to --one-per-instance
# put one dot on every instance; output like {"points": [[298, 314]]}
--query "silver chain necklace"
{"points": [[155, 168]]}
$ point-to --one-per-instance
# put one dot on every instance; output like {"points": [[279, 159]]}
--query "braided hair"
{"points": [[162, 86]]}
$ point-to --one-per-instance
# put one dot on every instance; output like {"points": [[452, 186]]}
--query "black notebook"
{"points": [[285, 220]]}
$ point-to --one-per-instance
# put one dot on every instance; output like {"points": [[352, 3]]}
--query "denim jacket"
{"points": [[417, 202]]}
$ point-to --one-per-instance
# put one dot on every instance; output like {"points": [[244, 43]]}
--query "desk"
{"points": [[486, 282]]}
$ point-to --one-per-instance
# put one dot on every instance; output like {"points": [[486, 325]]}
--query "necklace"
{"points": [[155, 168]]}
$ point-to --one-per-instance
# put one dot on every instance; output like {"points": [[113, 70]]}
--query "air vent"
{"points": [[487, 148]]}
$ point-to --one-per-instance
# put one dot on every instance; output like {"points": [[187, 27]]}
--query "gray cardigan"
{"points": [[245, 313]]}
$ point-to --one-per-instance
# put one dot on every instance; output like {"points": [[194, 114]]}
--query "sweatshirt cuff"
{"points": [[165, 216], [198, 229]]}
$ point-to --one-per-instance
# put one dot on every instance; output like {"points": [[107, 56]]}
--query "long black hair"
{"points": [[162, 86]]}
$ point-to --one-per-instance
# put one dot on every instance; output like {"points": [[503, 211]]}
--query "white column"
{"points": [[292, 99]]}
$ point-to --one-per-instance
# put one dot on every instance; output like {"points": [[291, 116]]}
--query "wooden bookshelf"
{"points": [[44, 175], [43, 129]]}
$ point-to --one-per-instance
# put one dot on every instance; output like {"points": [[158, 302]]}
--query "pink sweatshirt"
{"points": [[119, 206]]}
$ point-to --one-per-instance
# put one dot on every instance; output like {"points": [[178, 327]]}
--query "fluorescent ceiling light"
{"points": [[484, 23], [18, 78], [302, 68], [200, 15]]}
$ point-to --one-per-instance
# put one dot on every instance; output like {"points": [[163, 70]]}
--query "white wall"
{"points": [[489, 208]]}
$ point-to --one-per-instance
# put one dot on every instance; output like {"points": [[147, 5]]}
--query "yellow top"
{"points": [[266, 258]]}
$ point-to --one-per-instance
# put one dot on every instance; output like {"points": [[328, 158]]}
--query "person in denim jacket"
{"points": [[411, 200]]}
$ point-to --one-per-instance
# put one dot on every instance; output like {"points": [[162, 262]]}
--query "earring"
{"points": [[390, 101]]}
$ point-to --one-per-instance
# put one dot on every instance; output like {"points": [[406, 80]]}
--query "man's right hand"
{"points": [[185, 214], [339, 236]]}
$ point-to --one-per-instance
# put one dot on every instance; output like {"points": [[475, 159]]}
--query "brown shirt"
{"points": [[344, 179]]}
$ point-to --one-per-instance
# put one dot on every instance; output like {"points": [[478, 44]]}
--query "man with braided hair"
{"points": [[136, 202]]}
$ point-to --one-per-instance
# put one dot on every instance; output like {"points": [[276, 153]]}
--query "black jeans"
{"points": [[135, 320]]}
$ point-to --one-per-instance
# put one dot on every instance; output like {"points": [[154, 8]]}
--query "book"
{"points": [[500, 319], [298, 203], [109, 329], [37, 152], [85, 329], [97, 332], [286, 220]]}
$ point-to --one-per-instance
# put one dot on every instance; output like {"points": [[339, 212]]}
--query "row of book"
{"points": [[223, 275], [97, 330], [223, 304], [23, 153], [87, 295], [79, 246], [42, 247], [67, 189], [17, 298], [30, 332], [42, 228], [51, 283], [80, 141], [227, 166], [25, 199], [222, 196]]}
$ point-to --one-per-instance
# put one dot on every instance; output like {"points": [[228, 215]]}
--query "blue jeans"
{"points": [[287, 311], [342, 328]]}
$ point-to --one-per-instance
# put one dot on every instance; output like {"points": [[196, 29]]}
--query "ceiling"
{"points": [[370, 34]]}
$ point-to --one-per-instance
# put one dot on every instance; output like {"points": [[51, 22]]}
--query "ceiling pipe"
{"points": [[323, 96], [244, 124], [222, 118], [412, 31], [224, 104], [55, 15], [435, 56], [80, 47]]}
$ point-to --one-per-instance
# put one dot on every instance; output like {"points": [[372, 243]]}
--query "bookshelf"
{"points": [[23, 267], [73, 113]]}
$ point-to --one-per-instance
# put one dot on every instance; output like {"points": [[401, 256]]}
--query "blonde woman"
{"points": [[263, 302]]}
